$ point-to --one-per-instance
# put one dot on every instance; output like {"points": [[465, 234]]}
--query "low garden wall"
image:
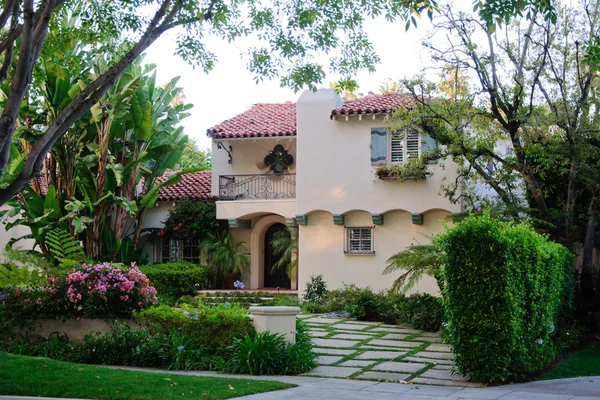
{"points": [[73, 328]]}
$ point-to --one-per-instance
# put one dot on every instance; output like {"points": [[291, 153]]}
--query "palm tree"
{"points": [[225, 255], [285, 245], [415, 261], [389, 86]]}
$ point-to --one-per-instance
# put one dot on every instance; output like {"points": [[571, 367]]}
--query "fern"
{"points": [[62, 246]]}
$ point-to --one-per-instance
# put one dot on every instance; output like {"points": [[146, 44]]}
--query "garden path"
{"points": [[379, 352]]}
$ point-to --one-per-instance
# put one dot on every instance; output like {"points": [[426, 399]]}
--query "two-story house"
{"points": [[311, 165]]}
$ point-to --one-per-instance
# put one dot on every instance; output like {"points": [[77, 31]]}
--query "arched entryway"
{"points": [[274, 277]]}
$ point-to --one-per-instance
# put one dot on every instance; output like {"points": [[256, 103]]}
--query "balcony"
{"points": [[257, 187]]}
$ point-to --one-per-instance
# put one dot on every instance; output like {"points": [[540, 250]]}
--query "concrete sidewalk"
{"points": [[312, 388]]}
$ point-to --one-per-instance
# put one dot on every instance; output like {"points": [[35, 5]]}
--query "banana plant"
{"points": [[102, 175]]}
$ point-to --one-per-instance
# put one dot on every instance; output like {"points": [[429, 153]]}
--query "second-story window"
{"points": [[398, 147]]}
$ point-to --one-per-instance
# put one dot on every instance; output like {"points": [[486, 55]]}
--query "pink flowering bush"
{"points": [[88, 291], [103, 289]]}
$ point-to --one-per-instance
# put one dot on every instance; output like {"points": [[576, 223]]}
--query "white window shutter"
{"points": [[378, 145], [413, 144], [397, 147]]}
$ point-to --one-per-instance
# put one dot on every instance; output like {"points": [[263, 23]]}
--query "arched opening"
{"points": [[274, 277]]}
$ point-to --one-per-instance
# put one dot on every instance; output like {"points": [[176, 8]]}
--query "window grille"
{"points": [[180, 250], [359, 240]]}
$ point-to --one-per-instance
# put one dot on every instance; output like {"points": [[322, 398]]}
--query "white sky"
{"points": [[229, 88]]}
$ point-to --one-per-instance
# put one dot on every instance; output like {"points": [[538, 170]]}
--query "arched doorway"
{"points": [[274, 277]]}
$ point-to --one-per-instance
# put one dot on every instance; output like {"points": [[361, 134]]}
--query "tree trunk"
{"points": [[587, 283]]}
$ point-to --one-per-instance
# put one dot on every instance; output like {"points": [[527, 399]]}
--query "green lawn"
{"points": [[31, 376], [583, 362]]}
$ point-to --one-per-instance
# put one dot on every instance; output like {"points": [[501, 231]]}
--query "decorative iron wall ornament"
{"points": [[228, 149], [278, 159]]}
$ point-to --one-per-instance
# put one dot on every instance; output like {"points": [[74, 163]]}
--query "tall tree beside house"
{"points": [[101, 175], [532, 90]]}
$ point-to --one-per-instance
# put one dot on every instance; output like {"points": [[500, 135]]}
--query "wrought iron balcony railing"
{"points": [[257, 187]]}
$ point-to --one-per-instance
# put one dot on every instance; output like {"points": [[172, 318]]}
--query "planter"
{"points": [[230, 280], [394, 177]]}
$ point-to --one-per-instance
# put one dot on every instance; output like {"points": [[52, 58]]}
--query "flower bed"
{"points": [[95, 291]]}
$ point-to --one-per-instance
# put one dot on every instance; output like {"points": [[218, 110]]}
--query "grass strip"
{"points": [[583, 362], [33, 376]]}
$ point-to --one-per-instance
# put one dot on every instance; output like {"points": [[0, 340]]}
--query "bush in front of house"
{"points": [[176, 279], [268, 354], [508, 293], [421, 311], [214, 328], [88, 291]]}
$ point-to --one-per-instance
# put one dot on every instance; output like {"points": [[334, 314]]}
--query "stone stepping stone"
{"points": [[318, 328], [394, 343], [349, 327], [436, 355], [328, 360], [357, 363], [363, 322], [428, 360], [318, 334], [350, 336], [333, 372], [400, 367], [336, 352], [323, 320], [444, 367], [438, 347], [443, 382], [427, 339], [334, 343], [396, 330], [304, 316], [383, 376], [431, 334], [379, 355], [443, 374], [380, 348], [394, 336]]}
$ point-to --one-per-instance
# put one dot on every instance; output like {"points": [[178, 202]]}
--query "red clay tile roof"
{"points": [[262, 120], [195, 186], [374, 104]]}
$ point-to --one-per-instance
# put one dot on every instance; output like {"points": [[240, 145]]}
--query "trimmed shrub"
{"points": [[507, 290], [177, 279], [214, 328]]}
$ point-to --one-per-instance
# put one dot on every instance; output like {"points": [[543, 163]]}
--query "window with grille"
{"points": [[180, 250], [359, 240]]}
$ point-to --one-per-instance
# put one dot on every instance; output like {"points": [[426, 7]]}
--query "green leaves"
{"points": [[503, 285]]}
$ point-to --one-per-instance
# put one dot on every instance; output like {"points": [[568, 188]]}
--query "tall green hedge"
{"points": [[506, 288], [176, 279]]}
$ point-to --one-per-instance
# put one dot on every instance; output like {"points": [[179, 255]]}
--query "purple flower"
{"points": [[180, 348], [238, 284]]}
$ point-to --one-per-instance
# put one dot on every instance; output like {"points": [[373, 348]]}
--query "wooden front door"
{"points": [[274, 277]]}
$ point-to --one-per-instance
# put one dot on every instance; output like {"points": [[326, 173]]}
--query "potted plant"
{"points": [[285, 245], [414, 169], [226, 257]]}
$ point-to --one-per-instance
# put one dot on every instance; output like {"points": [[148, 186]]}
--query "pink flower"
{"points": [[39, 302]]}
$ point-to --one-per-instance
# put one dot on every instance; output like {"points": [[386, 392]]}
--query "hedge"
{"points": [[508, 291], [213, 328], [177, 279]]}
